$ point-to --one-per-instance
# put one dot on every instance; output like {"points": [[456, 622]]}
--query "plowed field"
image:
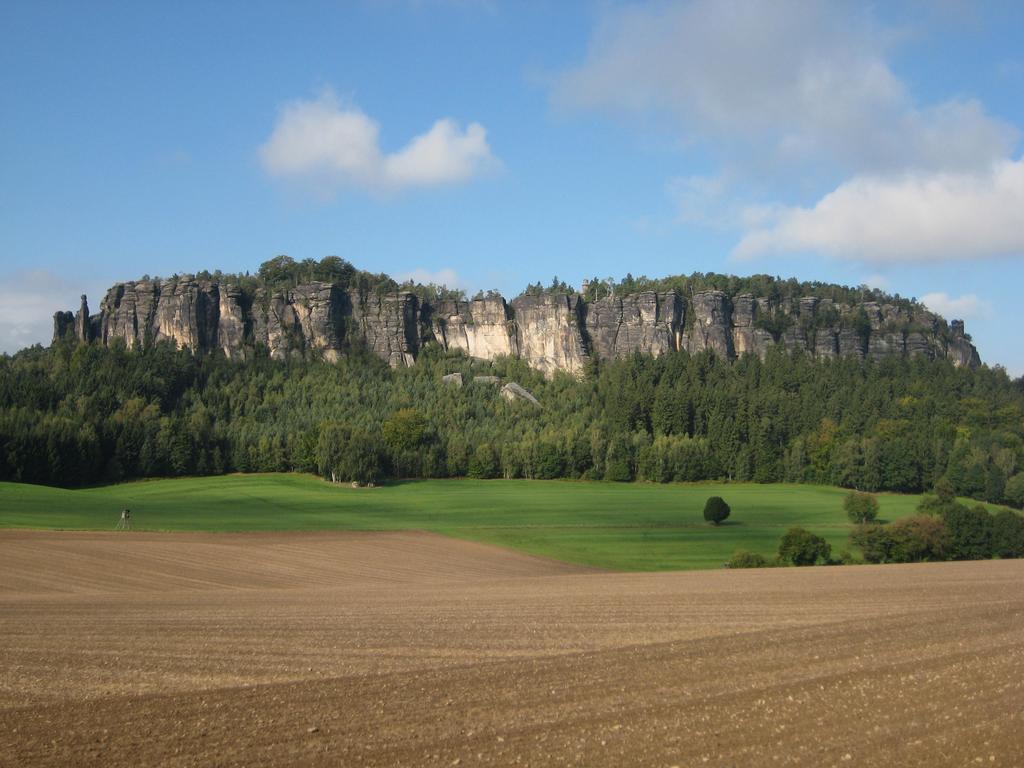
{"points": [[412, 649]]}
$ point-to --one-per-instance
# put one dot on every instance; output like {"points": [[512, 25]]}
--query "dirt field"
{"points": [[411, 649]]}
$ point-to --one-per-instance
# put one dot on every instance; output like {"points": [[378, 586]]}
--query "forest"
{"points": [[81, 414]]}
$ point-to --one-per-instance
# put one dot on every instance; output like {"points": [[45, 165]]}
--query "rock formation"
{"points": [[551, 332], [513, 391]]}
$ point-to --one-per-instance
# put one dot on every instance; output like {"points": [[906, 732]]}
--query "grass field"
{"points": [[632, 527]]}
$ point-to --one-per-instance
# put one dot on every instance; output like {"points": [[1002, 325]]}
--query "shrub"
{"points": [[743, 558], [716, 510], [919, 538], [910, 540], [847, 558], [861, 507], [970, 531], [874, 542], [801, 547], [1008, 534]]}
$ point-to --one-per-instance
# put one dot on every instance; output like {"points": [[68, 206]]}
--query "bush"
{"points": [[716, 510], [910, 540], [743, 558], [860, 507], [1008, 534], [874, 542], [918, 539], [970, 531], [801, 547], [847, 558]]}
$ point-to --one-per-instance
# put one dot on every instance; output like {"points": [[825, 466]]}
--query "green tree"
{"points": [[860, 507], [716, 510], [1014, 491], [995, 484], [801, 547], [618, 464], [484, 463], [405, 430], [345, 454]]}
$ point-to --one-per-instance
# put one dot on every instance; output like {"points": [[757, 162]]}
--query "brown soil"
{"points": [[412, 649]]}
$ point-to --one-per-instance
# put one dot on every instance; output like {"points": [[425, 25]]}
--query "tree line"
{"points": [[78, 414]]}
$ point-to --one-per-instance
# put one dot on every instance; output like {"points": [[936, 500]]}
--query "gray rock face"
{"points": [[851, 344], [618, 326], [63, 325], [550, 332], [83, 327], [960, 350], [712, 325], [232, 323], [454, 379], [747, 338], [388, 325], [826, 345]]}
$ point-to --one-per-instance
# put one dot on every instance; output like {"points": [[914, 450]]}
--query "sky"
{"points": [[486, 144]]}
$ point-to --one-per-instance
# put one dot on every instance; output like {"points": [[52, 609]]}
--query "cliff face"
{"points": [[617, 326], [550, 332]]}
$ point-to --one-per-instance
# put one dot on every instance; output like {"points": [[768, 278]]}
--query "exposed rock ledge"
{"points": [[550, 332]]}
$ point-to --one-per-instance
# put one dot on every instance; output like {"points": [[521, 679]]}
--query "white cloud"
{"points": [[965, 307], [701, 200], [28, 299], [877, 281], [447, 277], [776, 83], [919, 217], [328, 144]]}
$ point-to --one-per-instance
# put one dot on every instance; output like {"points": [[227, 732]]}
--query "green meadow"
{"points": [[629, 527]]}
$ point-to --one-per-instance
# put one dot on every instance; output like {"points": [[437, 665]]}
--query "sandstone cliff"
{"points": [[559, 332]]}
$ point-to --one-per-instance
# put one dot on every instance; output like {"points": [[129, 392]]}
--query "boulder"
{"points": [[513, 391]]}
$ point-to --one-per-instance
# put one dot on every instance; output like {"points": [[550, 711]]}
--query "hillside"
{"points": [[78, 414], [329, 309]]}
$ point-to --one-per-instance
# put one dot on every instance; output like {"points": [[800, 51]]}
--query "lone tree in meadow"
{"points": [[860, 507], [716, 510]]}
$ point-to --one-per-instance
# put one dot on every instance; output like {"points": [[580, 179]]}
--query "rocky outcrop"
{"points": [[388, 325], [747, 337], [711, 326], [959, 349], [513, 392], [481, 328], [233, 323], [617, 326], [550, 332]]}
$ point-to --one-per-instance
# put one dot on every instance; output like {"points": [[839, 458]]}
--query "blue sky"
{"points": [[494, 144]]}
